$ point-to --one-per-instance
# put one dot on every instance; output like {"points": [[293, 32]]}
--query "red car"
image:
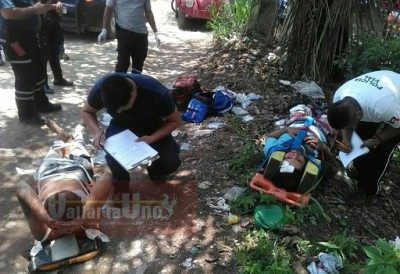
{"points": [[186, 9]]}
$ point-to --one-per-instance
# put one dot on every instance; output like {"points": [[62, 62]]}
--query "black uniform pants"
{"points": [[130, 45], [52, 38], [23, 50], [372, 166], [168, 163]]}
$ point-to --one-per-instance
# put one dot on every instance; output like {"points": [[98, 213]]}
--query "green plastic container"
{"points": [[269, 216]]}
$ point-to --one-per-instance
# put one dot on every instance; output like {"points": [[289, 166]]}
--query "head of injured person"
{"points": [[64, 205], [290, 171], [296, 159], [118, 93]]}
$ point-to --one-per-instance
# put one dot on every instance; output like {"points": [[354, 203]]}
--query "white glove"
{"points": [[102, 36], [158, 41]]}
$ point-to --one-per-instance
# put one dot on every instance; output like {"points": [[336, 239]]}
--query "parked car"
{"points": [[85, 15], [190, 9]]}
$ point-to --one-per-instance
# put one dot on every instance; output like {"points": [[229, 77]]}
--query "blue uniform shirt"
{"points": [[152, 103], [32, 23]]}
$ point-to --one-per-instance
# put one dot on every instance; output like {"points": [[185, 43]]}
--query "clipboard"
{"points": [[129, 153], [356, 142]]}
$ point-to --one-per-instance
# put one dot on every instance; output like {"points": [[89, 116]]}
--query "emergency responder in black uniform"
{"points": [[19, 27], [52, 37]]}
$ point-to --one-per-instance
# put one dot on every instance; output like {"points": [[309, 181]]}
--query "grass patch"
{"points": [[231, 17], [260, 253]]}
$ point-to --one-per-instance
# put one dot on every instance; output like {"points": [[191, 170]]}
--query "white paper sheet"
{"points": [[129, 153], [356, 142]]}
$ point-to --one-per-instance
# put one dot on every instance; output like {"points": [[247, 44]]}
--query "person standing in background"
{"points": [[52, 37], [132, 34], [19, 34]]}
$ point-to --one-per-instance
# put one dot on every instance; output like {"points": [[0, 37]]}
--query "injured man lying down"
{"points": [[64, 193], [304, 139]]}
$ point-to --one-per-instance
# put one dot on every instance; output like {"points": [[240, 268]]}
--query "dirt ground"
{"points": [[240, 66]]}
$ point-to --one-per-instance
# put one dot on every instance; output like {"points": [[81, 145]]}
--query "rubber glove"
{"points": [[158, 41], [102, 36]]}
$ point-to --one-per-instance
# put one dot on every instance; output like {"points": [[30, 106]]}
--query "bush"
{"points": [[231, 17], [370, 52]]}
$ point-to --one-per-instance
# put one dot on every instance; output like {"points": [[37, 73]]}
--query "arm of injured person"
{"points": [[37, 216], [315, 143]]}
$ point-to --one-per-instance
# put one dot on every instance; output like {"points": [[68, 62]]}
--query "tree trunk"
{"points": [[263, 16]]}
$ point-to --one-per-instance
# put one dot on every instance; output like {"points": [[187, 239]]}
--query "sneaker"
{"points": [[158, 180], [357, 197], [342, 176], [62, 82], [47, 89], [50, 107], [33, 120], [353, 174], [63, 56]]}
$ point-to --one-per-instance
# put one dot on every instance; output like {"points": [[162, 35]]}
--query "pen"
{"points": [[341, 145], [102, 138]]}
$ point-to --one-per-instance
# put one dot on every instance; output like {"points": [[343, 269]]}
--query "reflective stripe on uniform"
{"points": [[384, 170], [41, 82], [24, 92], [23, 95], [21, 62], [24, 98]]}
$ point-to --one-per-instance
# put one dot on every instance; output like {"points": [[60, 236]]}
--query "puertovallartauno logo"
{"points": [[131, 208]]}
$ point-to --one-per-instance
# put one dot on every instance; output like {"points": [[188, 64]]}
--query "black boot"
{"points": [[42, 103], [62, 82], [27, 113], [50, 107], [47, 89], [33, 120]]}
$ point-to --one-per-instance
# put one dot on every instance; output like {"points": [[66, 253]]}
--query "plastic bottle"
{"points": [[233, 219]]}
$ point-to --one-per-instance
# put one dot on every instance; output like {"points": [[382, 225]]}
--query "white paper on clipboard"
{"points": [[356, 142], [126, 151]]}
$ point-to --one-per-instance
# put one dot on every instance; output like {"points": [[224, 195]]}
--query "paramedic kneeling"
{"points": [[143, 105], [370, 106], [301, 144], [63, 198]]}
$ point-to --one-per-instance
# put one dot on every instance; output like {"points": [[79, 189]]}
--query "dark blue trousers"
{"points": [[168, 163], [372, 166]]}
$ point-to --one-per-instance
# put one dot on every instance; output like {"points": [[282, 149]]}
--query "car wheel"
{"points": [[111, 32], [182, 21]]}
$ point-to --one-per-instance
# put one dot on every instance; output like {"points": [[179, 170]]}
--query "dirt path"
{"points": [[25, 146]]}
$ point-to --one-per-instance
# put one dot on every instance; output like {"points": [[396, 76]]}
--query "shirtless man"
{"points": [[63, 195]]}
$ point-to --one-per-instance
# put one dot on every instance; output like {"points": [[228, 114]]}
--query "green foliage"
{"points": [[341, 244], [250, 199], [370, 52], [396, 156], [231, 17], [301, 215], [382, 258], [242, 165], [310, 213], [260, 254]]}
